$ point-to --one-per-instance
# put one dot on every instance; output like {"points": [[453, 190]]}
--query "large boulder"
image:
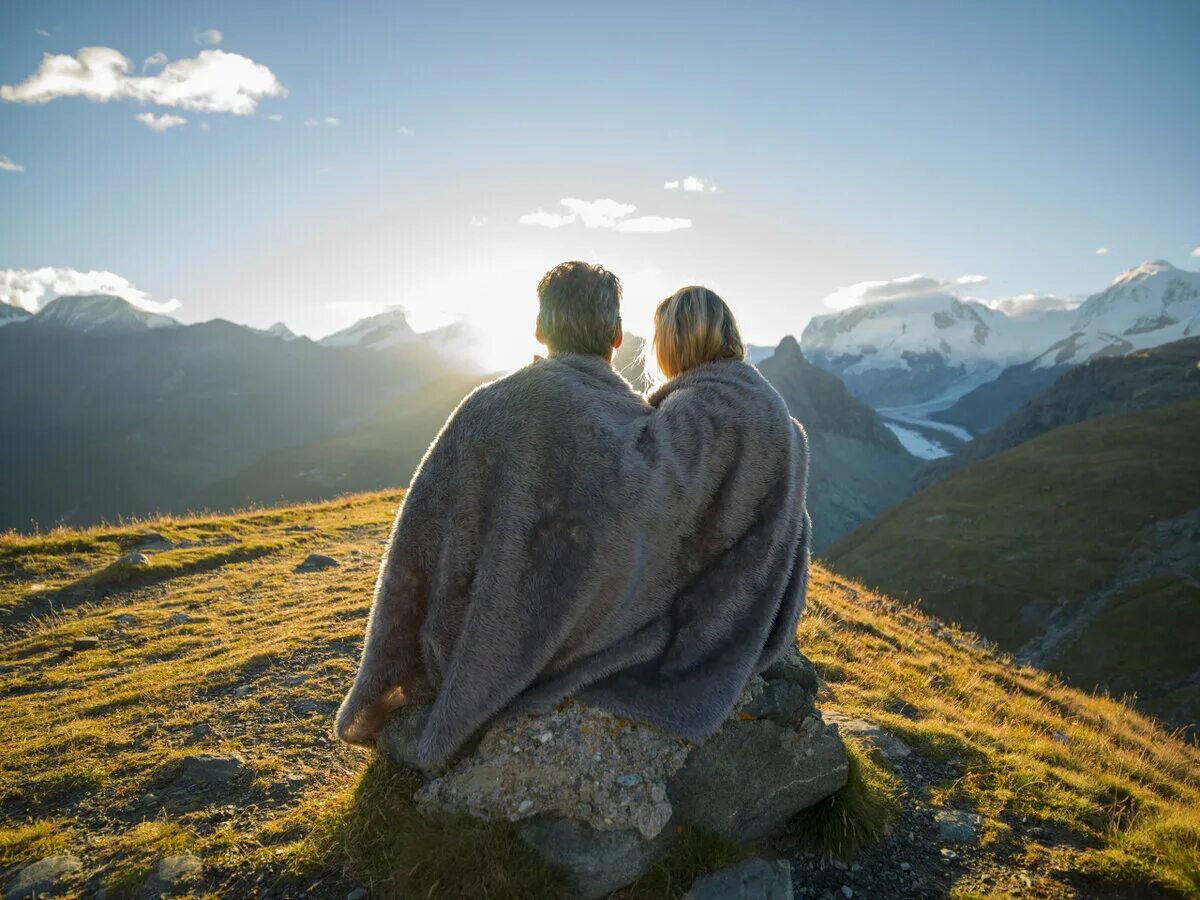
{"points": [[47, 877], [598, 796]]}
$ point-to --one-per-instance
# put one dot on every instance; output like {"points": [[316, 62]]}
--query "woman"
{"points": [[721, 471]]}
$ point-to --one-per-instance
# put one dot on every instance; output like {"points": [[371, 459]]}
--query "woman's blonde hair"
{"points": [[694, 326]]}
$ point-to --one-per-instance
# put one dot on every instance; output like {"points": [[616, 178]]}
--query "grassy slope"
{"points": [[999, 545], [94, 740]]}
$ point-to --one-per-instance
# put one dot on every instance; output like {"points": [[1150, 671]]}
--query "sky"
{"points": [[314, 163]]}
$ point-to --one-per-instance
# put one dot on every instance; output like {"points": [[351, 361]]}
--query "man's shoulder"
{"points": [[552, 385]]}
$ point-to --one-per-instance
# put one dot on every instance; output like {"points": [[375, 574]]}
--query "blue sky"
{"points": [[847, 142]]}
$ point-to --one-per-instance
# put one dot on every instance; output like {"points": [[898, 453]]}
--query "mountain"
{"points": [[133, 678], [111, 412], [1103, 386], [937, 347], [912, 350], [858, 467], [281, 331], [98, 314], [10, 314], [1078, 550], [379, 332], [382, 451]]}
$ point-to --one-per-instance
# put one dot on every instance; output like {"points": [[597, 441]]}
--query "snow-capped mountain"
{"points": [[379, 332], [99, 314], [10, 314], [1147, 306], [280, 331], [933, 348], [915, 349]]}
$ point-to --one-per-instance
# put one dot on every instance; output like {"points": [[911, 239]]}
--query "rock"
{"points": [[595, 862], [317, 561], [752, 776], [86, 642], [180, 619], [125, 620], [136, 559], [243, 690], [212, 768], [359, 893], [948, 855], [401, 732], [299, 528], [847, 891], [782, 702], [794, 667], [44, 878], [578, 775], [755, 879], [152, 540], [172, 875], [956, 825], [873, 738]]}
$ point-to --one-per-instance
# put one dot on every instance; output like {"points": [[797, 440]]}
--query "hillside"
{"points": [[858, 467], [1112, 385], [216, 644], [1077, 549]]}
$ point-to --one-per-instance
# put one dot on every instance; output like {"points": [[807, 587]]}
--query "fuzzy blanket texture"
{"points": [[563, 537]]}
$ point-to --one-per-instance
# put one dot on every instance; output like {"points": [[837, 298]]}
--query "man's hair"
{"points": [[692, 327], [579, 308]]}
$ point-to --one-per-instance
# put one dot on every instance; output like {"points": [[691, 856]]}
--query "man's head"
{"points": [[579, 310]]}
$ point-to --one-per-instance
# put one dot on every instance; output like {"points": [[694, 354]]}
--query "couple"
{"points": [[565, 536]]}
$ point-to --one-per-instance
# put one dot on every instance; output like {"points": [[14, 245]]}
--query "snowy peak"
{"points": [[387, 329], [280, 331], [1151, 304], [10, 314], [99, 314]]}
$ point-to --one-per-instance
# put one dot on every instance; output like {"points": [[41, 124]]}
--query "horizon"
{"points": [[796, 161]]}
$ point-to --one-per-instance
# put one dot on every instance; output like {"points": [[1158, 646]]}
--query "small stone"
{"points": [[172, 875], [86, 642], [180, 619], [136, 559], [359, 893], [957, 825], [905, 867], [840, 866], [873, 738], [317, 561], [544, 737], [524, 806], [629, 779], [1061, 737], [44, 878], [948, 855], [244, 690], [125, 620], [847, 891], [212, 768]]}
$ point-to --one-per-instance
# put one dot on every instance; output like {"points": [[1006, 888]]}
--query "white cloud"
{"points": [[1033, 302], [211, 81], [605, 213], [690, 183], [328, 121], [160, 123], [598, 213], [1102, 251], [653, 224], [7, 165], [545, 219], [41, 32], [1196, 252], [210, 36], [154, 59], [478, 221], [32, 288], [896, 289], [276, 117]]}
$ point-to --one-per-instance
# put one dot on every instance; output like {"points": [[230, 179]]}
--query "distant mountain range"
{"points": [[939, 347]]}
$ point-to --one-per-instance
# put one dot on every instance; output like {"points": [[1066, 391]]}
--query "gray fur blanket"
{"points": [[562, 537]]}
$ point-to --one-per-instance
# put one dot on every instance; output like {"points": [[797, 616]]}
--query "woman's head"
{"points": [[692, 327]]}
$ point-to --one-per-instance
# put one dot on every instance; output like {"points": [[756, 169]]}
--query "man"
{"points": [[503, 524]]}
